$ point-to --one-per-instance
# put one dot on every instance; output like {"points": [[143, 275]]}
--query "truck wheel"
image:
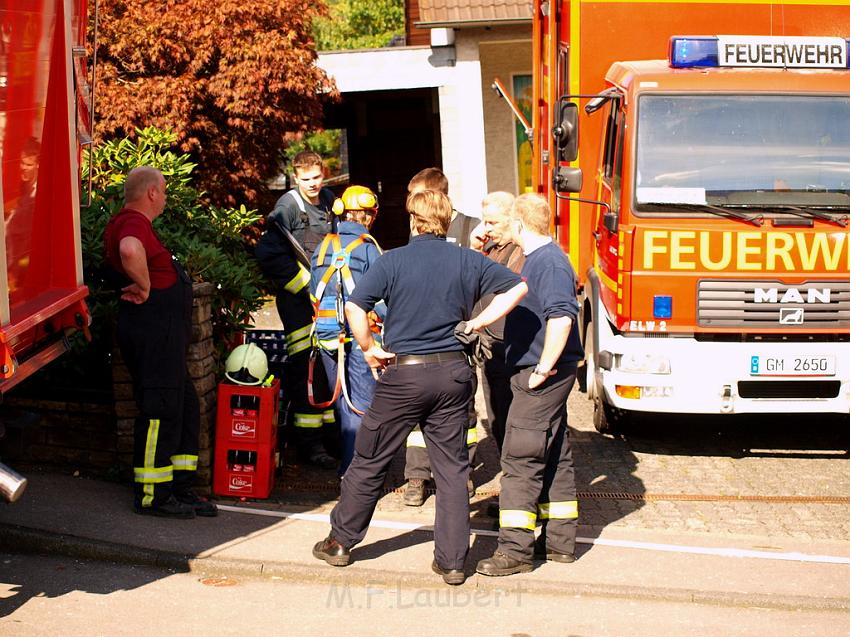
{"points": [[607, 419]]}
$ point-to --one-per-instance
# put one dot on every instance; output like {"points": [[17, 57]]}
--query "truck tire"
{"points": [[608, 419]]}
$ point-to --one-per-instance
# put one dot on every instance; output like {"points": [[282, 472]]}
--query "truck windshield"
{"points": [[771, 152]]}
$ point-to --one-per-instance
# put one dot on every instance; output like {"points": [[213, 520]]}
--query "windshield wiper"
{"points": [[720, 211], [809, 213]]}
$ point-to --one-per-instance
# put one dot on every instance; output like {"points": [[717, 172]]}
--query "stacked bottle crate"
{"points": [[246, 454]]}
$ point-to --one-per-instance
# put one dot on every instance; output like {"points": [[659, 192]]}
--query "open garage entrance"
{"points": [[391, 135]]}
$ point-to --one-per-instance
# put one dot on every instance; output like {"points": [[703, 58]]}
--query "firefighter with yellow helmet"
{"points": [[337, 265]]}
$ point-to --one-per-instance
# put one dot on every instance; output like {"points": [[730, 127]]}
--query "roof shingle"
{"points": [[447, 12]]}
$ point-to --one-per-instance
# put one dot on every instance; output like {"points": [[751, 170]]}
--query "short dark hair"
{"points": [[429, 179], [307, 159]]}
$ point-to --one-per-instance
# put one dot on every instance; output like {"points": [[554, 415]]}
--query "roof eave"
{"points": [[484, 22]]}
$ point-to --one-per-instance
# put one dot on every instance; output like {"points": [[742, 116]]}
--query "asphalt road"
{"points": [[57, 597]]}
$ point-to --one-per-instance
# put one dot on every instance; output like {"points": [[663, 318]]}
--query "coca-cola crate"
{"points": [[245, 472], [246, 440], [247, 413]]}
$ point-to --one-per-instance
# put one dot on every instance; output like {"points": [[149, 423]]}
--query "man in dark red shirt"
{"points": [[154, 330]]}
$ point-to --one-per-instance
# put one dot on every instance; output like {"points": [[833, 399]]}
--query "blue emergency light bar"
{"points": [[688, 53], [758, 52]]}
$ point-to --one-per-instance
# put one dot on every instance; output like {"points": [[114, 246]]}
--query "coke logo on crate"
{"points": [[241, 483], [244, 429]]}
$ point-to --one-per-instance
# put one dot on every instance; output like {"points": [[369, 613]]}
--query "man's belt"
{"points": [[421, 359]]}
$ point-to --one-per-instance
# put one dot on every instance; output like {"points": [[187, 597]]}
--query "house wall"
{"points": [[460, 103], [503, 52]]}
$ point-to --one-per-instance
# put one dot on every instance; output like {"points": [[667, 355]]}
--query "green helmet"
{"points": [[247, 365]]}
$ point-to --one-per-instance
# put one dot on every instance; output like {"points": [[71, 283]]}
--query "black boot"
{"points": [[451, 576], [200, 506], [169, 508], [500, 564], [332, 552]]}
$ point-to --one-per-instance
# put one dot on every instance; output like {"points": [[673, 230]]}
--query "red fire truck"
{"points": [[44, 122], [701, 185]]}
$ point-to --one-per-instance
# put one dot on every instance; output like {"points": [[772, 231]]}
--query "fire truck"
{"points": [[45, 106], [701, 186]]}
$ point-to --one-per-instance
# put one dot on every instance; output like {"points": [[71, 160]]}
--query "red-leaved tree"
{"points": [[230, 77]]}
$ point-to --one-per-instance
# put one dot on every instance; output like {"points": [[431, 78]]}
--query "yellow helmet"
{"points": [[356, 198]]}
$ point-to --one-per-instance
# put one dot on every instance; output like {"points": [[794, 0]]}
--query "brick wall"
{"points": [[97, 438]]}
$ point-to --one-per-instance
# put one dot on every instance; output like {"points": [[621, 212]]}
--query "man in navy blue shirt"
{"points": [[543, 348], [429, 286]]}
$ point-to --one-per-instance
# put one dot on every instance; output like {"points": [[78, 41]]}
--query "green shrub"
{"points": [[207, 240]]}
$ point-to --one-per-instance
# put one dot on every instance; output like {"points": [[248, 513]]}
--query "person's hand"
{"points": [[472, 325], [135, 294], [377, 358], [478, 237], [535, 380]]}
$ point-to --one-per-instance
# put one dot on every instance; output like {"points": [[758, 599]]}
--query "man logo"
{"points": [[790, 316], [792, 295]]}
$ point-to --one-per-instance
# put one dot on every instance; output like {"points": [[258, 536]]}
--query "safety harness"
{"points": [[339, 264]]}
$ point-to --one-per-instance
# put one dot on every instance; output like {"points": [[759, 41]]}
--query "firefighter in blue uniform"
{"points": [[296, 226], [337, 265], [417, 465], [430, 287], [543, 349]]}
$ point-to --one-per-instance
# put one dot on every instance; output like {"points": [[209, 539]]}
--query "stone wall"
{"points": [[97, 438]]}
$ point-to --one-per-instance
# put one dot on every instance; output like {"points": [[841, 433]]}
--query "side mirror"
{"points": [[567, 179], [565, 133], [611, 222]]}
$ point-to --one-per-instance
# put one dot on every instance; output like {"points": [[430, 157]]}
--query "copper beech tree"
{"points": [[230, 77]]}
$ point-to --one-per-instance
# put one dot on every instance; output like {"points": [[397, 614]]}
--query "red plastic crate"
{"points": [[246, 440]]}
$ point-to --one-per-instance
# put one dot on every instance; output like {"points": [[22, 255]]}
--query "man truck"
{"points": [[696, 156]]}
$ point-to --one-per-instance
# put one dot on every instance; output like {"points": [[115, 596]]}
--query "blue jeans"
{"points": [[361, 387]]}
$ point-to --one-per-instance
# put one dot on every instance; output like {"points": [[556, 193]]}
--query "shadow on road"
{"points": [[742, 435]]}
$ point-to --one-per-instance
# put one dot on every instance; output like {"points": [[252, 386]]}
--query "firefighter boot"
{"points": [[170, 508], [541, 552], [200, 506], [414, 494], [332, 552], [500, 564], [451, 576]]}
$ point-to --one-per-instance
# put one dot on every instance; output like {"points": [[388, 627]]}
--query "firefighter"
{"points": [[337, 265], [294, 229], [154, 330], [426, 379], [417, 465], [493, 238], [543, 349]]}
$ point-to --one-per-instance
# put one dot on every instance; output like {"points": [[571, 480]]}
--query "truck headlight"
{"points": [[642, 364]]}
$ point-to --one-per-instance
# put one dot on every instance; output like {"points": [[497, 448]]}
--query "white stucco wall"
{"points": [[461, 105]]}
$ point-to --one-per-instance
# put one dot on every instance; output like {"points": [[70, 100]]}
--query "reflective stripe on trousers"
{"points": [[149, 474], [515, 519], [308, 421], [185, 463], [567, 510]]}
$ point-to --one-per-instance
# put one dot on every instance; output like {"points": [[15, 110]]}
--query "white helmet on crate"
{"points": [[247, 365]]}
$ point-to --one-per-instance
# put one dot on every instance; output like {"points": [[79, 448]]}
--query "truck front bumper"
{"points": [[714, 378]]}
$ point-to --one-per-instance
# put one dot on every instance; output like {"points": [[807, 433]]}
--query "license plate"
{"points": [[791, 365]]}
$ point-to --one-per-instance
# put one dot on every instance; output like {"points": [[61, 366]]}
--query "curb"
{"points": [[16, 538]]}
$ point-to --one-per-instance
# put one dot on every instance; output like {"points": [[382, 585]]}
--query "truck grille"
{"points": [[788, 388], [735, 304]]}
